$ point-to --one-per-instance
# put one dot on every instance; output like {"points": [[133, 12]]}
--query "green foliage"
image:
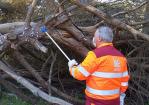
{"points": [[147, 103], [13, 10], [14, 100], [11, 100]]}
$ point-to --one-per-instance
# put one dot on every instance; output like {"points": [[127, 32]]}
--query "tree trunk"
{"points": [[146, 17]]}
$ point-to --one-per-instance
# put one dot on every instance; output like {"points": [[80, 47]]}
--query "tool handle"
{"points": [[58, 46]]}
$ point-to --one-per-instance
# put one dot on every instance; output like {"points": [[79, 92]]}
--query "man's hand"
{"points": [[72, 63], [122, 97]]}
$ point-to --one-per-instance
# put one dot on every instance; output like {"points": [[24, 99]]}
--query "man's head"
{"points": [[103, 34]]}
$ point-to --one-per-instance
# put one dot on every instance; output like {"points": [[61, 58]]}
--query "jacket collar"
{"points": [[105, 44]]}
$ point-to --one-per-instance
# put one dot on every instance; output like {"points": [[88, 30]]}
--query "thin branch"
{"points": [[60, 7], [45, 64], [132, 10], [139, 23], [51, 70], [138, 48], [30, 13]]}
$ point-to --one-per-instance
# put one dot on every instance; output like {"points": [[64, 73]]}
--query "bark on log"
{"points": [[146, 17], [15, 26], [76, 33], [71, 43]]}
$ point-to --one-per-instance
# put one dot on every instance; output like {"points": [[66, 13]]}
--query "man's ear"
{"points": [[99, 39]]}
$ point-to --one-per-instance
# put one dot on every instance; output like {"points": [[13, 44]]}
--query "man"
{"points": [[104, 69]]}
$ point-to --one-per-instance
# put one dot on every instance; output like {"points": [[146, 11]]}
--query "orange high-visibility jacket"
{"points": [[105, 72]]}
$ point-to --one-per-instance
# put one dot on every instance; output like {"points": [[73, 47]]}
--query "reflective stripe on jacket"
{"points": [[105, 72]]}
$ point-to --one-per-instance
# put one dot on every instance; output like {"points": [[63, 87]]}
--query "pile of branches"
{"points": [[27, 55]]}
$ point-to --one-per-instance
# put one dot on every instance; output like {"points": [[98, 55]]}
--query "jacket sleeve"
{"points": [[87, 67], [124, 80]]}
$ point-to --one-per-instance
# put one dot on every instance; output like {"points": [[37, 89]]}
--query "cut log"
{"points": [[11, 27]]}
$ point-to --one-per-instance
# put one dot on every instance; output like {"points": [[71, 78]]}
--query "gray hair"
{"points": [[105, 33]]}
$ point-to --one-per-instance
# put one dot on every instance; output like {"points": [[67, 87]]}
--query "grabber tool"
{"points": [[44, 29]]}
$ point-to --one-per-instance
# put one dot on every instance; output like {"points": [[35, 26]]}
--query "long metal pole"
{"points": [[57, 46]]}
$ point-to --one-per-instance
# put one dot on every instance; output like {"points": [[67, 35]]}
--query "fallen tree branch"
{"points": [[75, 32], [92, 29], [132, 10], [61, 37], [43, 83], [62, 21], [36, 91], [111, 20], [30, 13], [22, 60]]}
